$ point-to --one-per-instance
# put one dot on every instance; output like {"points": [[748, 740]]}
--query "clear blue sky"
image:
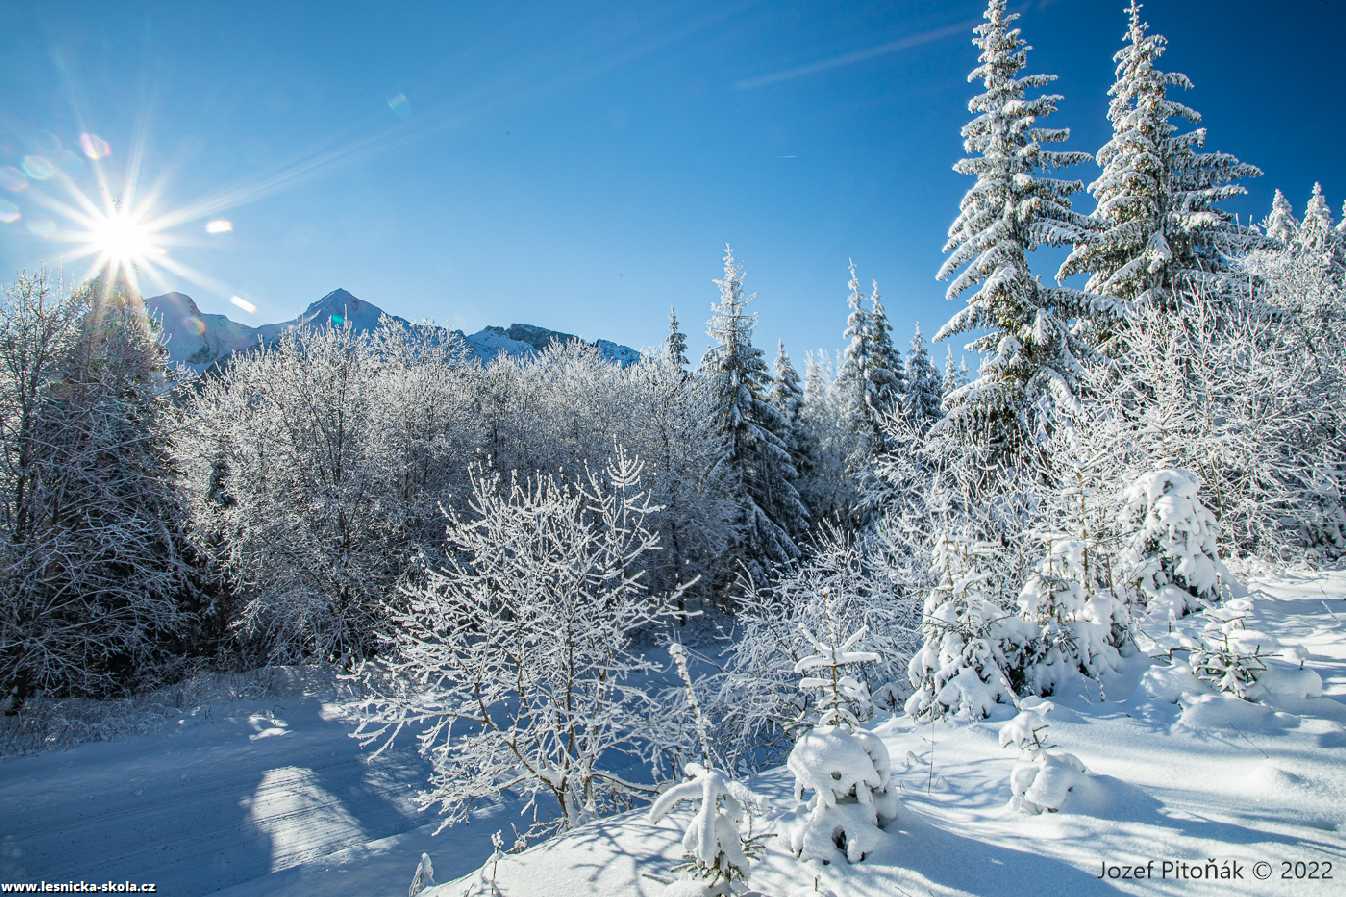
{"points": [[579, 166]]}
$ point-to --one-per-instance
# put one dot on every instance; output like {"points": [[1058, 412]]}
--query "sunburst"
{"points": [[123, 238], [122, 242]]}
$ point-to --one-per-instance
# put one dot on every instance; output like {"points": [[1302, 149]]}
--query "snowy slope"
{"points": [[200, 340], [1206, 777]]}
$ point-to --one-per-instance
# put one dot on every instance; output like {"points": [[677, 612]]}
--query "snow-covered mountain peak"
{"points": [[201, 340]]}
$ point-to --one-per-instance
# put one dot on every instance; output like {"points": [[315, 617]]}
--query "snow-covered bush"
{"points": [[960, 670], [1172, 557], [670, 427], [1072, 619], [514, 656], [756, 700], [846, 768], [1043, 779]]}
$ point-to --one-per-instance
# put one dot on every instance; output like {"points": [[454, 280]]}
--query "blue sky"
{"points": [[581, 167]]}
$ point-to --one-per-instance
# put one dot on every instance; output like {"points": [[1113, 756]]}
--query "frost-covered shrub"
{"points": [[515, 655], [1253, 405], [1171, 556], [317, 466], [1072, 621], [846, 768], [960, 669], [757, 700], [1043, 779]]}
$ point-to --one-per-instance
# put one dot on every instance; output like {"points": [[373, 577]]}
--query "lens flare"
{"points": [[9, 213], [400, 105], [219, 226], [243, 304], [39, 168], [94, 147]]}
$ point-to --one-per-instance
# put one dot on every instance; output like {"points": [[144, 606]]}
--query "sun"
{"points": [[122, 240]]}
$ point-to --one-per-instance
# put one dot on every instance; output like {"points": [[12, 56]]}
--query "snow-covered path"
{"points": [[258, 799]]}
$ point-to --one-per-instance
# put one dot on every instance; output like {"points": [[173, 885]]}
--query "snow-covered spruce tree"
{"points": [[1032, 356], [852, 383], [675, 344], [921, 403], [887, 380], [1315, 232], [960, 670], [756, 462], [718, 852], [93, 554], [846, 767], [514, 659], [952, 380], [1160, 231], [1171, 558], [788, 398], [1072, 619], [757, 699], [1281, 225], [827, 488]]}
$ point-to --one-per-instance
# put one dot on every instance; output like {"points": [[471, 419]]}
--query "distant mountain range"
{"points": [[201, 340]]}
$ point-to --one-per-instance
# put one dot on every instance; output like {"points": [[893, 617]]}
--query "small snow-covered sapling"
{"points": [[846, 768], [1224, 662], [1043, 778], [717, 851]]}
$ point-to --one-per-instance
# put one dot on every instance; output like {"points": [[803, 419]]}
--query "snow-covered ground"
{"points": [[261, 795], [270, 796], [1205, 778]]}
